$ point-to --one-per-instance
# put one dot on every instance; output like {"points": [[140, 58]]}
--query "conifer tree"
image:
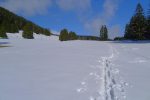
{"points": [[63, 35], [137, 26], [103, 33], [147, 34], [106, 33], [46, 32], [127, 33], [28, 31], [1, 18], [14, 28], [72, 36], [3, 32]]}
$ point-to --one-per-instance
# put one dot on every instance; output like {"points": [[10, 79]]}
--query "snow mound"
{"points": [[15, 35], [36, 36]]}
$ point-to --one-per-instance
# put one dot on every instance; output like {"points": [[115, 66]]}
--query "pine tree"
{"points": [[63, 35], [103, 33], [28, 32], [46, 32], [127, 33], [3, 32], [14, 28], [147, 33], [106, 33], [137, 26], [72, 36], [1, 18]]}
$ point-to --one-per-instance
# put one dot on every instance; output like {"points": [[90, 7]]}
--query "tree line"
{"points": [[12, 23], [65, 35], [137, 29]]}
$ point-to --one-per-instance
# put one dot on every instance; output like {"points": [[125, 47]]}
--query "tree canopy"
{"points": [[103, 33], [137, 27]]}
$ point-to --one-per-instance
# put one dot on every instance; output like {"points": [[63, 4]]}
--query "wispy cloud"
{"points": [[109, 10], [27, 7], [114, 31], [76, 5], [33, 7]]}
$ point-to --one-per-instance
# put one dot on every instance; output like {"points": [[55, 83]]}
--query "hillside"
{"points": [[12, 23]]}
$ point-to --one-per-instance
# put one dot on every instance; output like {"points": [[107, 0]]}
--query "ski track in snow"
{"points": [[110, 85], [113, 83]]}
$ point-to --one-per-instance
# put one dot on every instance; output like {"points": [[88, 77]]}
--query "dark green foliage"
{"points": [[88, 38], [63, 35], [127, 31], [136, 29], [3, 33], [119, 38], [139, 10], [147, 33], [13, 23], [72, 36], [28, 31], [1, 18], [104, 33], [148, 16], [46, 32], [14, 28]]}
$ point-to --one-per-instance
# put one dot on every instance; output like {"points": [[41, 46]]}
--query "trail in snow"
{"points": [[114, 85], [108, 82]]}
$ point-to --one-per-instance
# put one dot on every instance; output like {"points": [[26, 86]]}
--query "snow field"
{"points": [[47, 69]]}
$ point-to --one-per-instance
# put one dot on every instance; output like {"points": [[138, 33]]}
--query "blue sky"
{"points": [[85, 17]]}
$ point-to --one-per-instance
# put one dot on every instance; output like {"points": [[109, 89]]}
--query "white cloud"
{"points": [[109, 8], [33, 7], [114, 31], [107, 14], [79, 5], [27, 7], [94, 24]]}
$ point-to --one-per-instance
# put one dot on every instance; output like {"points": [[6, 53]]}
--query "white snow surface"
{"points": [[46, 69]]}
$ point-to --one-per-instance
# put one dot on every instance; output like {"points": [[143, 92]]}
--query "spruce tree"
{"points": [[147, 33], [63, 35], [28, 31], [1, 18], [127, 33], [137, 26], [103, 33], [14, 28], [72, 36], [3, 32], [46, 32]]}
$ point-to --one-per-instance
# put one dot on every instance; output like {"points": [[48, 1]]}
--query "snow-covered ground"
{"points": [[47, 69]]}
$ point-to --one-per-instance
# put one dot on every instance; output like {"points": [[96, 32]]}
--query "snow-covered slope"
{"points": [[47, 69]]}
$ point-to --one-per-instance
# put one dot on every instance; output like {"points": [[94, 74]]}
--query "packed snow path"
{"points": [[113, 90], [109, 88]]}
